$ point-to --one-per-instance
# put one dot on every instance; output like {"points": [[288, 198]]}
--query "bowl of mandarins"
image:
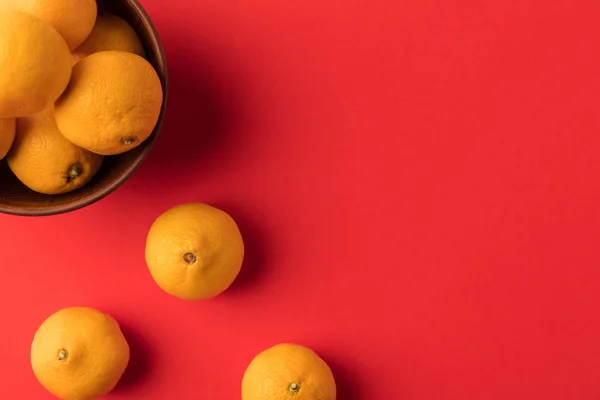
{"points": [[83, 100]]}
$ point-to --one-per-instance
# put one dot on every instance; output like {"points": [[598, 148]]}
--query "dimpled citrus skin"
{"points": [[112, 103], [110, 33], [288, 371], [35, 64], [194, 251], [7, 135], [73, 19], [79, 353], [43, 160]]}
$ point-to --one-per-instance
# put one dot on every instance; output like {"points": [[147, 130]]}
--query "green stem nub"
{"points": [[129, 140], [189, 258], [74, 172], [294, 387], [62, 355]]}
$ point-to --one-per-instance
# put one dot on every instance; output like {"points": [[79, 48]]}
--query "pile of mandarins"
{"points": [[75, 87]]}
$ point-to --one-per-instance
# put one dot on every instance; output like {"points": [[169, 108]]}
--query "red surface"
{"points": [[418, 183]]}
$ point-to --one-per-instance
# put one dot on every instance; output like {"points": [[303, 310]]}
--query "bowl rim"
{"points": [[148, 145]]}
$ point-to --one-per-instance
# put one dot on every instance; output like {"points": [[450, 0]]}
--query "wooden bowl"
{"points": [[17, 199]]}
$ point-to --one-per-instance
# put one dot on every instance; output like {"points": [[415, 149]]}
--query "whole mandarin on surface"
{"points": [[288, 371], [112, 103], [35, 64], [73, 19], [7, 135], [110, 32], [79, 353], [194, 251], [44, 161]]}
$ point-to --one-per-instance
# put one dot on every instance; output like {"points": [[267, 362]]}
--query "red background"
{"points": [[417, 181]]}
